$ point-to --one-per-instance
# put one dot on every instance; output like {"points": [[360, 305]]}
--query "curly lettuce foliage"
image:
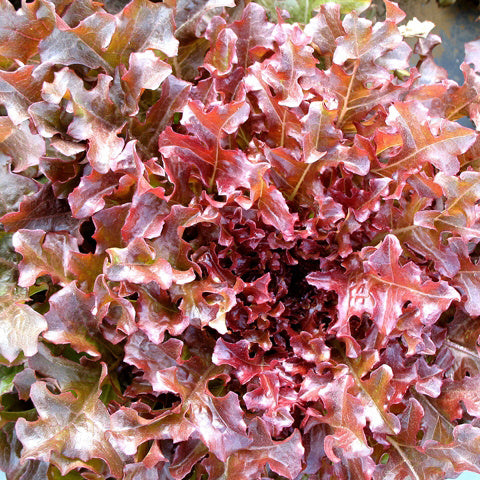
{"points": [[235, 247]]}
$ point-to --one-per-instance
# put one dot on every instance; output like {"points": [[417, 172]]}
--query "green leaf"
{"points": [[7, 374]]}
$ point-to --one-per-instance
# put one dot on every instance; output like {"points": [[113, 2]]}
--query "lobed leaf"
{"points": [[43, 254], [235, 246], [137, 263], [21, 326], [69, 426]]}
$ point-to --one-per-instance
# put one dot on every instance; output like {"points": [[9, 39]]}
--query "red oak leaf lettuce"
{"points": [[236, 242]]}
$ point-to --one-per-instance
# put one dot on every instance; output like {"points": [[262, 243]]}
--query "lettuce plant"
{"points": [[236, 245]]}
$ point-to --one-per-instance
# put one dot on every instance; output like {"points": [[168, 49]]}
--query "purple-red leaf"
{"points": [[384, 287], [283, 457], [237, 355]]}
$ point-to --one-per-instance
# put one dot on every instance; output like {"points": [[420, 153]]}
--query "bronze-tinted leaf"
{"points": [[83, 44], [97, 118], [18, 90], [42, 211], [141, 26], [13, 188], [17, 142], [69, 425], [21, 34], [43, 254], [283, 457], [137, 263], [70, 320]]}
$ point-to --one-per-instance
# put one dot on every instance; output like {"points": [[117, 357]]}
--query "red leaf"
{"points": [[237, 355], [325, 28], [254, 35], [108, 226], [74, 427], [273, 208], [283, 457], [21, 34], [157, 361], [292, 61], [83, 44], [130, 430], [157, 314], [70, 320], [211, 125], [460, 350], [10, 457], [345, 414], [228, 169], [142, 26], [173, 98], [218, 420], [422, 143], [137, 263], [385, 287], [19, 90], [404, 458], [87, 198], [392, 285], [86, 267], [97, 118], [170, 243], [146, 71], [12, 189], [221, 57], [461, 455], [280, 121], [206, 302], [458, 392], [20, 144], [41, 210], [367, 46], [467, 278], [460, 215], [43, 254]]}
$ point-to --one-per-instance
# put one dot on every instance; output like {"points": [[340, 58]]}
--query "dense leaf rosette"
{"points": [[236, 243]]}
